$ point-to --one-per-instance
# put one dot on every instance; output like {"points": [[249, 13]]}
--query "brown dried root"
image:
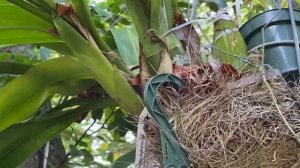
{"points": [[229, 127], [148, 153]]}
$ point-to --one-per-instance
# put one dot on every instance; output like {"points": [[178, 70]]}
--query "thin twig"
{"points": [[183, 25], [114, 21], [104, 123], [85, 132], [76, 143], [75, 135]]}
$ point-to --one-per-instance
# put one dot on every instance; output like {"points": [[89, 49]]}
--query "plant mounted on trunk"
{"points": [[85, 59], [90, 71]]}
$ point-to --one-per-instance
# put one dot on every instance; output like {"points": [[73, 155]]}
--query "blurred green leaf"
{"points": [[20, 140], [126, 39], [183, 5], [74, 151], [121, 123], [97, 114], [218, 3], [108, 115], [110, 156], [88, 157], [4, 56], [83, 144], [124, 160]]}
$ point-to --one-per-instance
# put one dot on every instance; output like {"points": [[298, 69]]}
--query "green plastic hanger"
{"points": [[173, 155]]}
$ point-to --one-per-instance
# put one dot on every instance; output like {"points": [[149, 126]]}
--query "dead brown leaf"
{"points": [[63, 9], [229, 70]]}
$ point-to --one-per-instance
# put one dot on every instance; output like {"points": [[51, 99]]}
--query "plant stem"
{"points": [[84, 16]]}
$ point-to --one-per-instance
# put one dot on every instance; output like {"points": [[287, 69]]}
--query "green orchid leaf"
{"points": [[59, 47], [139, 13], [23, 30], [13, 68], [109, 77], [126, 39], [3, 2], [34, 9], [20, 140], [4, 79], [162, 15], [84, 16], [85, 105], [83, 13], [62, 75]]}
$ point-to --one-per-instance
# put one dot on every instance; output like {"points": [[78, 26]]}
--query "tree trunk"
{"points": [[55, 156]]}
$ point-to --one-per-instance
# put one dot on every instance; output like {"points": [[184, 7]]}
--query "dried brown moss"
{"points": [[229, 124]]}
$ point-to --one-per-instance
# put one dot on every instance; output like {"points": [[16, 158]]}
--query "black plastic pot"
{"points": [[279, 45]]}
